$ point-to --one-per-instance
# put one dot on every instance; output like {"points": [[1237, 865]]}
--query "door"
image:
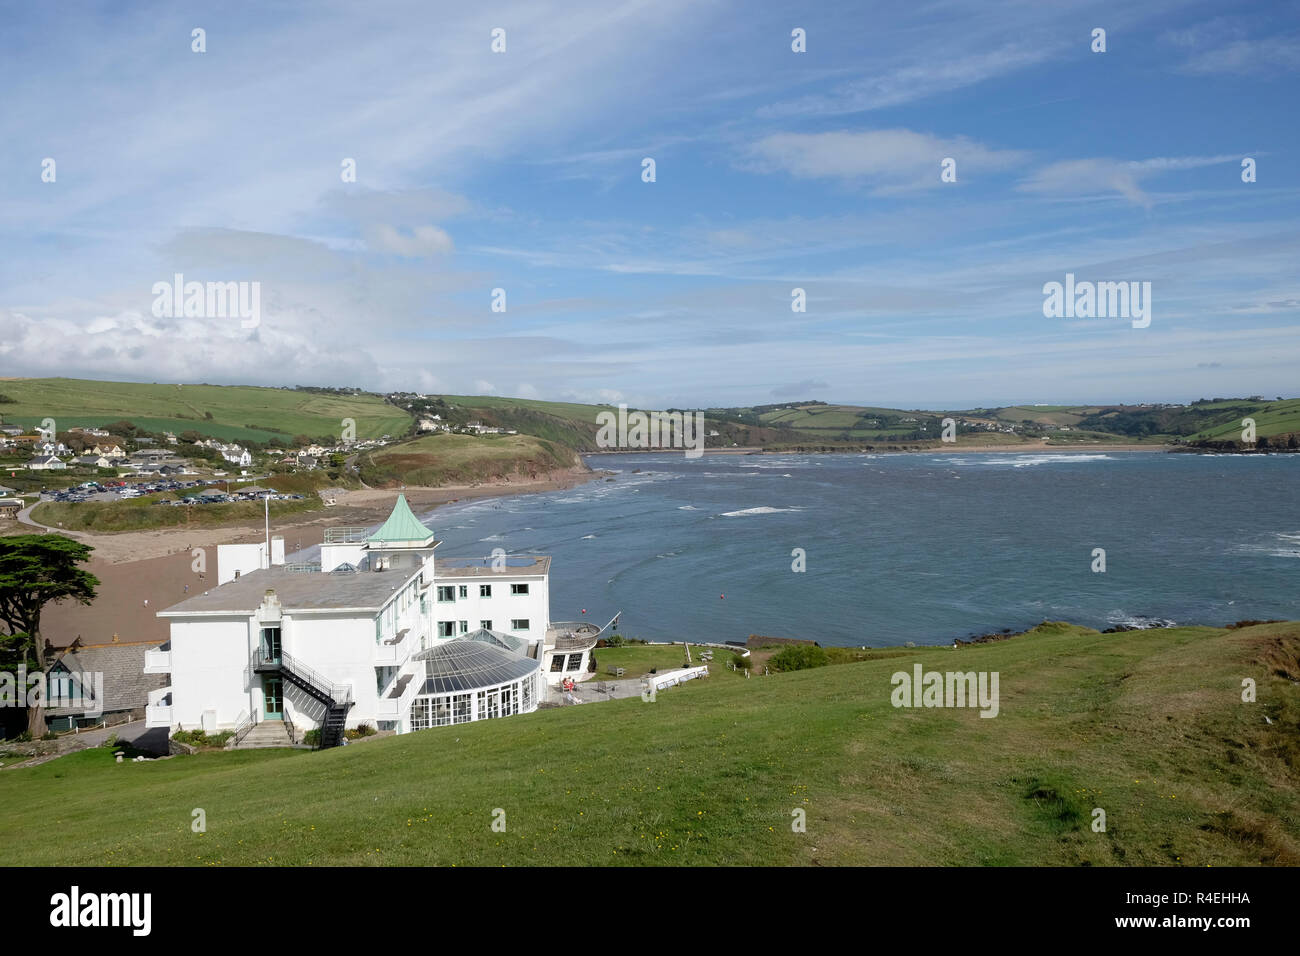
{"points": [[271, 645], [272, 698]]}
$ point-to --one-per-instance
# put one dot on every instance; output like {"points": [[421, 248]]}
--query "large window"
{"points": [[519, 697], [519, 624], [446, 628], [446, 594], [575, 662], [486, 625], [519, 589], [485, 590], [557, 663]]}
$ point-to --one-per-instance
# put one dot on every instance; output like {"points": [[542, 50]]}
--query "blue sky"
{"points": [[522, 170]]}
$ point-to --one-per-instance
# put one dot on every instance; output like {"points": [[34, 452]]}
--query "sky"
{"points": [[774, 170]]}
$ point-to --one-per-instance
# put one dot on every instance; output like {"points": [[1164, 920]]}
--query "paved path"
{"points": [[25, 517]]}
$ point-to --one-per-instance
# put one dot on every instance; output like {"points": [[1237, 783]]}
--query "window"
{"points": [[441, 712], [446, 628], [485, 590], [420, 713], [464, 627], [464, 590], [557, 663], [519, 589], [575, 662], [486, 625], [526, 693], [507, 701], [460, 709], [446, 594], [519, 624], [424, 604]]}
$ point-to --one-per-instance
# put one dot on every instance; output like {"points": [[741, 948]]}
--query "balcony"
{"points": [[158, 661], [158, 715], [396, 704], [395, 649]]}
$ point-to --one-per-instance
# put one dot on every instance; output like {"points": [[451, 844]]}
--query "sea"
{"points": [[881, 549]]}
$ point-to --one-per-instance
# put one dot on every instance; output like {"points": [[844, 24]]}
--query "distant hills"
{"points": [[258, 416]]}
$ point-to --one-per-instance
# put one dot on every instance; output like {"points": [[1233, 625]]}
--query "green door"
{"points": [[272, 698]]}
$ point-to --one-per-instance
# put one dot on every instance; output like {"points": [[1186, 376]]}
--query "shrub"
{"points": [[614, 640], [311, 738], [197, 738], [360, 730], [799, 657]]}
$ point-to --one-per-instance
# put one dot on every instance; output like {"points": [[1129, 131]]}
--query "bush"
{"points": [[311, 738], [799, 657], [197, 738], [614, 640], [360, 730]]}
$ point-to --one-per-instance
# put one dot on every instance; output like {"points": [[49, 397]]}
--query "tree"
{"points": [[36, 569]]}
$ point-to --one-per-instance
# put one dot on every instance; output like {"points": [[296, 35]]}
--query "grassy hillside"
{"points": [[238, 412], [1147, 725], [442, 459]]}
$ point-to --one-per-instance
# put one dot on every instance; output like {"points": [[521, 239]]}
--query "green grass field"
{"points": [[144, 514], [443, 458], [238, 412], [1147, 725]]}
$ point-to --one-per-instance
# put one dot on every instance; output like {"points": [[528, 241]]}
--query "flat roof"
{"points": [[297, 591], [519, 564]]}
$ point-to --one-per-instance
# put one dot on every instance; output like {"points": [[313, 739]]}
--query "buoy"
{"points": [[722, 597]]}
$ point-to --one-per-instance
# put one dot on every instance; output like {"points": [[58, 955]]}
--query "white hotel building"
{"points": [[379, 633]]}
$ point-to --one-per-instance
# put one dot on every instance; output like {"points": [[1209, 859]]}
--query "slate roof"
{"points": [[297, 591], [126, 686], [515, 566]]}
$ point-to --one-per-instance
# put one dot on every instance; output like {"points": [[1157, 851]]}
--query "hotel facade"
{"points": [[379, 633]]}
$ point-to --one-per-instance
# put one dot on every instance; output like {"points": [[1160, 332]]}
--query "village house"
{"points": [[379, 632], [114, 669], [45, 463]]}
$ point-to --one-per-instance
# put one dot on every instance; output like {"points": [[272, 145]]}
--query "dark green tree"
{"points": [[36, 569]]}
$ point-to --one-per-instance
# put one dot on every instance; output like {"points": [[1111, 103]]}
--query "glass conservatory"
{"points": [[474, 678]]}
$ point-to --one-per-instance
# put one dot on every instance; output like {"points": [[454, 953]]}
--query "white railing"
{"points": [[394, 708], [158, 662], [395, 649], [158, 715]]}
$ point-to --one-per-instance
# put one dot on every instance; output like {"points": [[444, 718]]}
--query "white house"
{"points": [[45, 463], [378, 633]]}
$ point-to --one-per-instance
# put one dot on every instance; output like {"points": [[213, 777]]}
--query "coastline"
{"points": [[135, 567]]}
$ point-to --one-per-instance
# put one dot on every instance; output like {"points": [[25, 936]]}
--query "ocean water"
{"points": [[905, 547]]}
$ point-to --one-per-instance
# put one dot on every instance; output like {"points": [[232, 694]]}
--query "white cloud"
{"points": [[423, 241], [887, 159]]}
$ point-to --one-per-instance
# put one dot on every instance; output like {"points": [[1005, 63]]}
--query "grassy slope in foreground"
{"points": [[442, 458], [1148, 725], [239, 412]]}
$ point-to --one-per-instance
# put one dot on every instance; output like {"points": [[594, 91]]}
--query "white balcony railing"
{"points": [[158, 662], [158, 715], [395, 708], [396, 649]]}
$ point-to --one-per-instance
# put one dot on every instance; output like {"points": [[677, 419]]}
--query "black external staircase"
{"points": [[336, 700]]}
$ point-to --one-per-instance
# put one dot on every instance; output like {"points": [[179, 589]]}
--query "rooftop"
{"points": [[520, 564], [402, 528], [461, 665], [365, 591]]}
